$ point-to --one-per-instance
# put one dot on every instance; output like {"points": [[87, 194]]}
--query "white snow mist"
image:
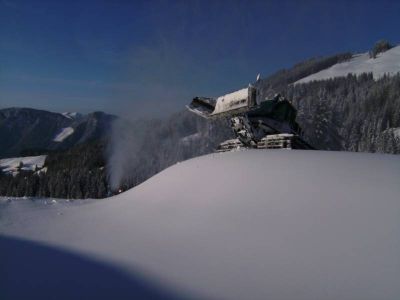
{"points": [[122, 151]]}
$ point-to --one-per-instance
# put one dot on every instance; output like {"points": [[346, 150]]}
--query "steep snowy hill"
{"points": [[385, 63], [243, 225]]}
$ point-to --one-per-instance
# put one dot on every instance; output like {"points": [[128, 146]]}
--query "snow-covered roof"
{"points": [[235, 100]]}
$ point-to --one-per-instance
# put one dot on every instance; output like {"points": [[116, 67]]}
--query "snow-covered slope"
{"points": [[385, 63], [29, 163], [242, 225], [63, 134], [72, 115]]}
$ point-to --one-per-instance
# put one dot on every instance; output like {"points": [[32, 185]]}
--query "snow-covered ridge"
{"points": [[385, 63], [29, 163], [293, 225], [63, 134], [71, 115]]}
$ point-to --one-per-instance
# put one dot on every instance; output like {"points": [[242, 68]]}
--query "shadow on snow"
{"points": [[29, 270]]}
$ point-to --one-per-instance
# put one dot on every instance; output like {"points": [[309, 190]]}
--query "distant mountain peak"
{"points": [[33, 131]]}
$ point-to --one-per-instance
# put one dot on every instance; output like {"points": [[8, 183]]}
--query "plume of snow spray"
{"points": [[122, 152]]}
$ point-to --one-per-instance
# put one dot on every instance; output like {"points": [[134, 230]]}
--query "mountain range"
{"points": [[27, 131]]}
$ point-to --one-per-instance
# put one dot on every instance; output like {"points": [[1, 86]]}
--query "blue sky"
{"points": [[147, 58]]}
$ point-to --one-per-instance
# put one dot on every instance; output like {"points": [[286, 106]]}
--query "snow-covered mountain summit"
{"points": [[387, 62], [240, 225]]}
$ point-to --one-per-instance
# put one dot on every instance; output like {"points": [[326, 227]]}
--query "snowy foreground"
{"points": [[385, 63], [242, 225]]}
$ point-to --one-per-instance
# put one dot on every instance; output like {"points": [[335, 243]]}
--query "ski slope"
{"points": [[63, 134], [29, 163], [241, 225], [385, 63]]}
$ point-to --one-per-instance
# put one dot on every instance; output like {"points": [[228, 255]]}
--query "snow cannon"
{"points": [[230, 104], [257, 121]]}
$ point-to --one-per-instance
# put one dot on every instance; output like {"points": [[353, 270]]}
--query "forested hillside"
{"points": [[76, 173], [350, 113]]}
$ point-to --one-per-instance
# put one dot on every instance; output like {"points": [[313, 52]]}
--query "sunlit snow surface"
{"points": [[385, 63], [242, 225]]}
